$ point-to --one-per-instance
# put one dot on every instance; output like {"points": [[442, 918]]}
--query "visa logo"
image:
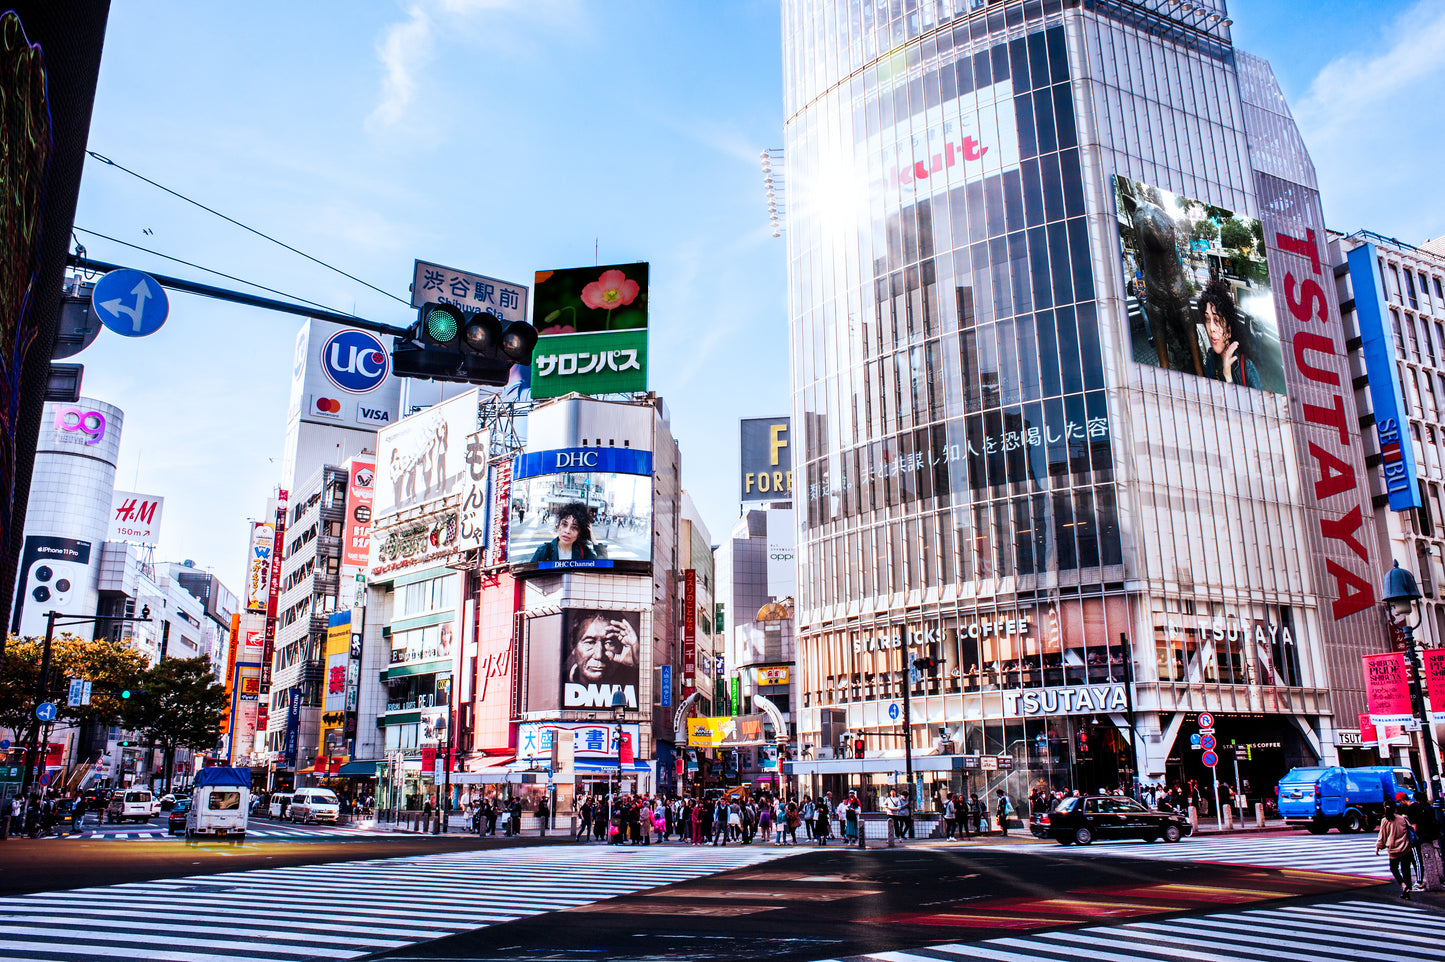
{"points": [[377, 415]]}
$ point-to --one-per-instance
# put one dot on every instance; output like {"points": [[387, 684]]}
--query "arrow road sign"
{"points": [[130, 303], [45, 711], [1206, 720]]}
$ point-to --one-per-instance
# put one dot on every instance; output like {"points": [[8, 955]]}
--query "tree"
{"points": [[109, 665], [1204, 230], [1236, 235], [179, 705]]}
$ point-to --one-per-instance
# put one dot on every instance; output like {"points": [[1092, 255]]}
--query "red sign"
{"points": [[428, 759], [1370, 735], [689, 628], [356, 528], [1387, 689], [1435, 681], [625, 751]]}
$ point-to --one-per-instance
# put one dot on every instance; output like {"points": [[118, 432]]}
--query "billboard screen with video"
{"points": [[581, 508]]}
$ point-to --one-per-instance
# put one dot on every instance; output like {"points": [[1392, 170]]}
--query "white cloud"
{"points": [[404, 49], [1369, 122]]}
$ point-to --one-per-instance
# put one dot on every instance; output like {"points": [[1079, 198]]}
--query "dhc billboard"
{"points": [[1397, 454]]}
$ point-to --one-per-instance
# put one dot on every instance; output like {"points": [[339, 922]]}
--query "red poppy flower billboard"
{"points": [[592, 330]]}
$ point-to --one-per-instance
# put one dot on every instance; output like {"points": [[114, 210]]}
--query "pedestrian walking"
{"points": [[1395, 840], [7, 812], [822, 827], [1002, 809], [543, 813], [1427, 839], [950, 816]]}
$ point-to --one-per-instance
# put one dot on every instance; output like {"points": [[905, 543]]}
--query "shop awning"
{"points": [[602, 768], [358, 770]]}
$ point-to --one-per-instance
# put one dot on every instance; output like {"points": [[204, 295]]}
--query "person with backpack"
{"points": [[1003, 808]]}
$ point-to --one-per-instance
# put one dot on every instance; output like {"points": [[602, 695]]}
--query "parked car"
{"points": [[1080, 820], [1350, 799], [170, 799], [280, 803], [176, 823], [135, 804], [314, 805]]}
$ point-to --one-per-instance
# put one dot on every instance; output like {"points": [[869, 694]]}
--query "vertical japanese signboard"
{"points": [[473, 514], [501, 512], [258, 565], [689, 629], [357, 526], [273, 592]]}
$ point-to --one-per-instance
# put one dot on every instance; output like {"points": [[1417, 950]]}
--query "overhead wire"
{"points": [[211, 210], [208, 270]]}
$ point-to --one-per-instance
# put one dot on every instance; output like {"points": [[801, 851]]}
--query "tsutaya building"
{"points": [[1028, 448]]}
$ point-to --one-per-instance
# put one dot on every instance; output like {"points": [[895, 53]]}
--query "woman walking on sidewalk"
{"points": [[1394, 839]]}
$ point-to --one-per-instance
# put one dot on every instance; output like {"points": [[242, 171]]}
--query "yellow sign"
{"points": [[772, 676], [725, 731]]}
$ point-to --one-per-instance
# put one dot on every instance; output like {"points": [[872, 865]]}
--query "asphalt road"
{"points": [[845, 902], [49, 864]]}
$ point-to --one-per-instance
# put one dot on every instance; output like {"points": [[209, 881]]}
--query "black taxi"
{"points": [[1081, 819]]}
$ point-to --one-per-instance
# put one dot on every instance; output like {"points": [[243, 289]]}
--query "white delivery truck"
{"points": [[220, 802]]}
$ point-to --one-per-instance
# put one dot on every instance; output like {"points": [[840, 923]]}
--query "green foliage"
{"points": [[109, 665], [1236, 235], [179, 705], [1204, 229]]}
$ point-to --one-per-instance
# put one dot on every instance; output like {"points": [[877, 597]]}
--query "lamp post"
{"points": [[619, 708], [1402, 594]]}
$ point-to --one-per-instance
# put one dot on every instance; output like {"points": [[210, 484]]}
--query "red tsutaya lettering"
{"points": [[1343, 529], [1306, 341], [1333, 417], [1305, 247], [1336, 476], [1349, 602], [1303, 305]]}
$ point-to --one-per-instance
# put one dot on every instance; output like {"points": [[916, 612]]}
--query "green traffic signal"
{"points": [[125, 693], [441, 325]]}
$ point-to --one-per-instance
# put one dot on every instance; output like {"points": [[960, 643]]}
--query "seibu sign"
{"points": [[1326, 424]]}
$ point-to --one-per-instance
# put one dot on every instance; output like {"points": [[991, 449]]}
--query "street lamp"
{"points": [[1402, 594], [619, 708]]}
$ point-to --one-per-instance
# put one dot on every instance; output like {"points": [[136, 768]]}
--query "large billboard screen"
{"points": [[601, 656], [592, 327], [424, 457], [1197, 288], [767, 460], [581, 508]]}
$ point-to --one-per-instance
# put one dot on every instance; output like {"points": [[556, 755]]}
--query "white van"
{"points": [[220, 803], [278, 801], [314, 805], [135, 803]]}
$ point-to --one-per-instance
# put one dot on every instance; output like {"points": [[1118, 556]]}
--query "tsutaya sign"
{"points": [[1071, 700]]}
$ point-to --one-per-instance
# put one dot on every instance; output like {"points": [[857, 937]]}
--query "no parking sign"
{"points": [[1207, 740]]}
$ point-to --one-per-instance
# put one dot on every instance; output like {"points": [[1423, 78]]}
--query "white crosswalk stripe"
{"points": [[158, 835], [1349, 931], [1343, 854], [340, 910]]}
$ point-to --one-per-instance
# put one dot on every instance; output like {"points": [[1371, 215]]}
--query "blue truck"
{"points": [[1350, 799]]}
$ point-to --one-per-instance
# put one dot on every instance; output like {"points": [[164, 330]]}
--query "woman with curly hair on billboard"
{"points": [[1228, 358], [574, 537]]}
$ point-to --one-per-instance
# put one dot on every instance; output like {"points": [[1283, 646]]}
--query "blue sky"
{"points": [[507, 136]]}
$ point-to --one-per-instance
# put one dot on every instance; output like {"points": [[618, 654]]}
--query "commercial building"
{"points": [[1071, 399], [1393, 305]]}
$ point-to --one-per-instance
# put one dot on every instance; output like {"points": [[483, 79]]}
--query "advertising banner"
{"points": [[725, 731], [591, 741], [341, 377], [782, 554], [1434, 659], [473, 512], [273, 593], [689, 625], [356, 528], [967, 139], [1387, 689], [592, 323], [135, 517], [293, 724], [338, 654], [258, 567], [772, 676], [601, 656], [580, 520], [424, 457], [736, 697], [51, 571], [501, 513], [1198, 288], [415, 542], [767, 460]]}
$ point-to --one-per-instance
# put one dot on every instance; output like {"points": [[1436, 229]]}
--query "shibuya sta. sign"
{"points": [[1070, 700]]}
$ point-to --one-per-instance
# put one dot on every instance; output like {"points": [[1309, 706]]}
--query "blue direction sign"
{"points": [[893, 711], [4, 744], [45, 711], [130, 303]]}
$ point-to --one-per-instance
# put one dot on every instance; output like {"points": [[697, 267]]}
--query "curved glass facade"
{"points": [[997, 470]]}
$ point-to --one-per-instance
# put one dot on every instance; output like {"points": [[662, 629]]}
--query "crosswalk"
{"points": [[339, 911], [160, 835], [1342, 854], [1349, 930]]}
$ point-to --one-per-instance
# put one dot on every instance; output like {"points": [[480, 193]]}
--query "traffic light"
{"points": [[925, 663], [858, 747], [125, 694], [1083, 742], [448, 343]]}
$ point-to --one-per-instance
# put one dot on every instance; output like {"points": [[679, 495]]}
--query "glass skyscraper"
{"points": [[1059, 367]]}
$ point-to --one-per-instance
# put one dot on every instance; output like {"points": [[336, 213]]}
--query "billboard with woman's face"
{"points": [[581, 508], [601, 657], [1197, 288]]}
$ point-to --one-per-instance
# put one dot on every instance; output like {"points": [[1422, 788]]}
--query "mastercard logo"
{"points": [[328, 405]]}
